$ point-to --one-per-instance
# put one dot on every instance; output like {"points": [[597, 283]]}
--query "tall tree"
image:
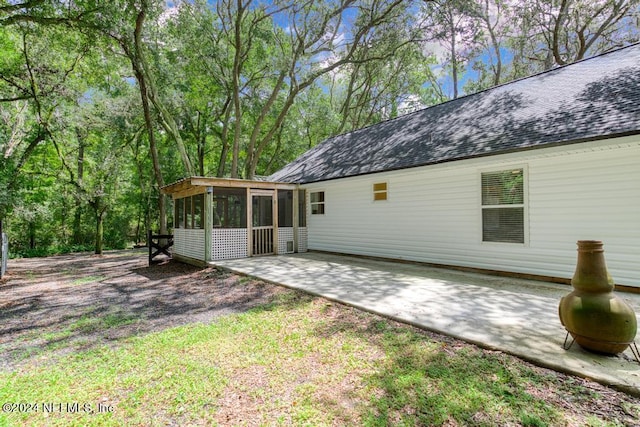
{"points": [[94, 155], [271, 65], [37, 70], [560, 32], [124, 23], [493, 26], [452, 28], [367, 95], [197, 68]]}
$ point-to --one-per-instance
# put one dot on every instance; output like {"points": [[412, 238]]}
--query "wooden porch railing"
{"points": [[262, 240]]}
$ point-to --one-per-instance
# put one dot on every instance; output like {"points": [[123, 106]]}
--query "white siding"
{"points": [[584, 191], [189, 243]]}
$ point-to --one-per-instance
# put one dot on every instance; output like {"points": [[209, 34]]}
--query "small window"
{"points": [[317, 203], [503, 206], [380, 191]]}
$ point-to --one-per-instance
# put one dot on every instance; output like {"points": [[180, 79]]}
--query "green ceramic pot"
{"points": [[596, 318]]}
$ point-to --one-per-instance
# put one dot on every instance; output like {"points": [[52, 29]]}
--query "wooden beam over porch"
{"points": [[198, 184]]}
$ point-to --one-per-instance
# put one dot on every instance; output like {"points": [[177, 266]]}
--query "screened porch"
{"points": [[218, 218]]}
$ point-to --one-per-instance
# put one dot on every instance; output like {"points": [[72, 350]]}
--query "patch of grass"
{"points": [[244, 280], [91, 323], [431, 386], [114, 320], [56, 336], [297, 361]]}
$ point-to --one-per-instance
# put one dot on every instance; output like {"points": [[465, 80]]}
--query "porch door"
{"points": [[262, 235]]}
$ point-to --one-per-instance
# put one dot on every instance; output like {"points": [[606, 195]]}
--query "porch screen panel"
{"points": [[198, 209], [285, 208], [188, 212], [262, 211], [302, 208], [179, 216], [503, 206], [229, 208]]}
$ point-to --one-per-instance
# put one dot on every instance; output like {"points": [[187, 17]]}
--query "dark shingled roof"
{"points": [[588, 100]]}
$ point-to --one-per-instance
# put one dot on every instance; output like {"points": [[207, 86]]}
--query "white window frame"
{"points": [[322, 203], [524, 205]]}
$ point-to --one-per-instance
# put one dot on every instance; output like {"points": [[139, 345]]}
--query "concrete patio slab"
{"points": [[516, 316]]}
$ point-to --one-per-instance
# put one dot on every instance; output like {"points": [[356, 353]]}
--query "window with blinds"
{"points": [[503, 206], [317, 202]]}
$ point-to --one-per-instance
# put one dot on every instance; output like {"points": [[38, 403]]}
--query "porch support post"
{"points": [[249, 223], [275, 222], [208, 224], [296, 217]]}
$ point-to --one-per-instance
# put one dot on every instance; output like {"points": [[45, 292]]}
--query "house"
{"points": [[505, 180]]}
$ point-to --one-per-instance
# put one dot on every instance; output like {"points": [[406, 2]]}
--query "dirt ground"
{"points": [[79, 301]]}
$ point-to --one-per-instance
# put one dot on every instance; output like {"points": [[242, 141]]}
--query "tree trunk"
{"points": [[136, 64], [486, 17], [237, 112], [224, 135], [162, 205], [155, 158], [236, 71], [32, 235], [454, 60], [201, 140], [138, 223], [99, 231], [77, 215], [143, 67]]}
